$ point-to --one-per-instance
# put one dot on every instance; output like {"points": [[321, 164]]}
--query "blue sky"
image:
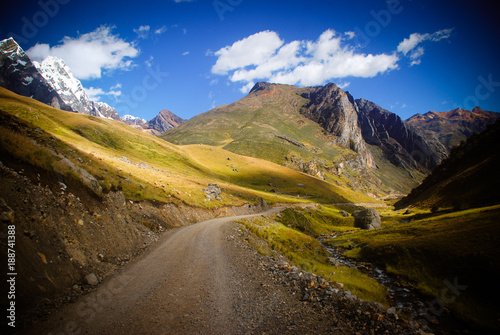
{"points": [[190, 56]]}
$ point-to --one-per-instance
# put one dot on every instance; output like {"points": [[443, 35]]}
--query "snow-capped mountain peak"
{"points": [[71, 90], [60, 77]]}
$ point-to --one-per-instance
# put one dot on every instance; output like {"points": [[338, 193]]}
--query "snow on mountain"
{"points": [[131, 118], [70, 89], [18, 74]]}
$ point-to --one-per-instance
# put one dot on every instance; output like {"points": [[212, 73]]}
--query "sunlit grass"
{"points": [[433, 249], [148, 168], [309, 255]]}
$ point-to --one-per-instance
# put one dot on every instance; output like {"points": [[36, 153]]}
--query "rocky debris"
{"points": [[331, 300], [6, 213], [314, 167], [367, 219], [263, 204], [91, 279], [213, 191]]}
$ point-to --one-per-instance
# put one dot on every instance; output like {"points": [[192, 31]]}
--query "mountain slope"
{"points": [[403, 145], [316, 130], [164, 121], [108, 155], [454, 126], [467, 178], [18, 74]]}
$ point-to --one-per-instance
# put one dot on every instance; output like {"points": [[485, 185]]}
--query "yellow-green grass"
{"points": [[175, 173], [461, 246], [320, 221], [309, 255]]}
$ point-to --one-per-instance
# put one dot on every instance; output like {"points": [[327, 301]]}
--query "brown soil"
{"points": [[196, 281]]}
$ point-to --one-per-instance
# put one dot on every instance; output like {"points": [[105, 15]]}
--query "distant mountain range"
{"points": [[322, 131], [454, 126], [325, 132], [467, 178], [53, 83]]}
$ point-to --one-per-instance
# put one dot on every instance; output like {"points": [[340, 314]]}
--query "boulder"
{"points": [[213, 191], [367, 219]]}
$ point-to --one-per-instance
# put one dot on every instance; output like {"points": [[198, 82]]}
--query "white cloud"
{"points": [[117, 86], [185, 53], [409, 45], [264, 56], [149, 61], [350, 35], [343, 85], [142, 32], [90, 54], [245, 89], [252, 50], [95, 93], [161, 30]]}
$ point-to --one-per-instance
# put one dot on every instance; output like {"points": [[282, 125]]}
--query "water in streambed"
{"points": [[407, 301]]}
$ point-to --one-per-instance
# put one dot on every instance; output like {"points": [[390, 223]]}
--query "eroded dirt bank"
{"points": [[64, 233]]}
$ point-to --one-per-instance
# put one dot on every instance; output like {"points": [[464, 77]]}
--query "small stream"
{"points": [[404, 297]]}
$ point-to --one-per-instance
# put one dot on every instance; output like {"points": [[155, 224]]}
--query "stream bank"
{"points": [[404, 297]]}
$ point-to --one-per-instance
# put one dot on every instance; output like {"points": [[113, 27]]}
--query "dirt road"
{"points": [[196, 281]]}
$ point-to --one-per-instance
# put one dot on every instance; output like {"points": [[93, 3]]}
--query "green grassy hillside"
{"points": [[268, 125], [145, 167]]}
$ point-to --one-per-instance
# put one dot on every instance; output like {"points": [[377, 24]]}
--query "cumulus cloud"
{"points": [[408, 46], [95, 93], [264, 56], [91, 54]]}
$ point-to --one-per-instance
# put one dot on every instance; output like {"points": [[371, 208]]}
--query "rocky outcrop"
{"points": [[213, 191], [336, 112], [18, 74], [367, 219], [403, 145]]}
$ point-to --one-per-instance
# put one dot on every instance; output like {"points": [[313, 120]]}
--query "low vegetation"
{"points": [[291, 234], [436, 249], [145, 167]]}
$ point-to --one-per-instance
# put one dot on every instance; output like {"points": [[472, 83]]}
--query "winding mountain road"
{"points": [[195, 281]]}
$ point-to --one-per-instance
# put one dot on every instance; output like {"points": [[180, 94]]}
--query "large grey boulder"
{"points": [[367, 219], [213, 191]]}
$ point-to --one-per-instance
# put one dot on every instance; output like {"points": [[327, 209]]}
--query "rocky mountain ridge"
{"points": [[19, 74], [71, 90], [322, 131], [52, 82], [454, 126]]}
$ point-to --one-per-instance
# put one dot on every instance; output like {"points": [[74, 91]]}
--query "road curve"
{"points": [[194, 282]]}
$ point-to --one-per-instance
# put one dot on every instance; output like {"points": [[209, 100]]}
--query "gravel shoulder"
{"points": [[204, 279], [198, 280]]}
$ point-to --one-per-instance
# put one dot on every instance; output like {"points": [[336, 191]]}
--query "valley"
{"points": [[245, 218]]}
